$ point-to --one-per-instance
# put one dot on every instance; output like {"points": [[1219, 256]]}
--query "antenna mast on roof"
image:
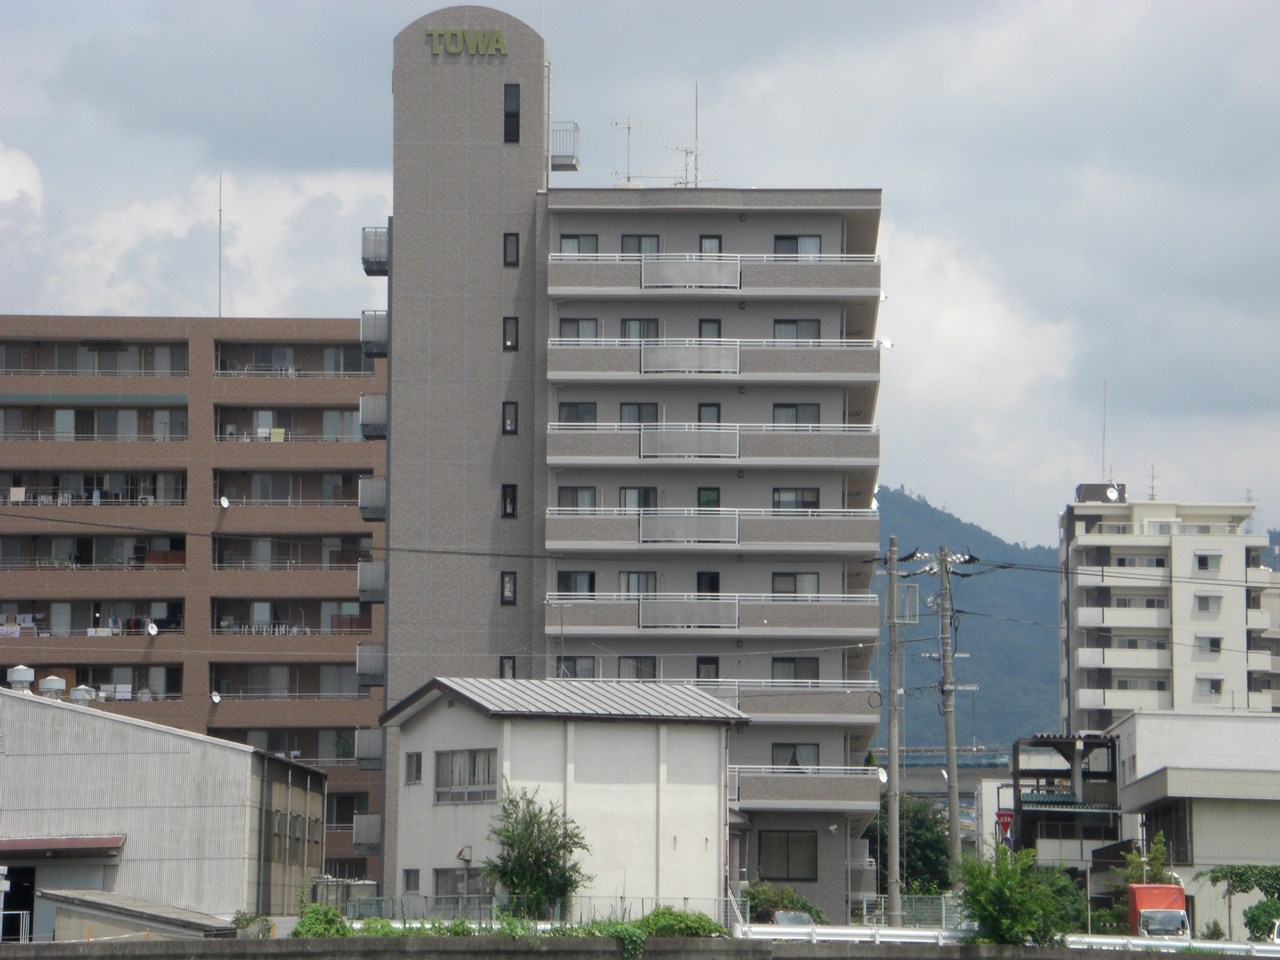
{"points": [[628, 125], [1152, 494], [219, 246]]}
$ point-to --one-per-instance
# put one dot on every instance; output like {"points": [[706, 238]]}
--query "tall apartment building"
{"points": [[180, 535], [631, 435], [1161, 609]]}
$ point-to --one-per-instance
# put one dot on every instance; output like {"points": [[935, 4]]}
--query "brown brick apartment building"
{"points": [[181, 531]]}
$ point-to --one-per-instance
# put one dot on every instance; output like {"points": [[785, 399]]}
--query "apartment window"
{"points": [[576, 668], [413, 767], [795, 668], [1209, 644], [789, 413], [576, 497], [797, 329], [579, 243], [804, 245], [709, 329], [707, 581], [411, 881], [510, 333], [461, 882], [796, 498], [638, 498], [707, 668], [511, 113], [507, 668], [645, 328], [637, 413], [511, 249], [638, 581], [507, 588], [709, 243], [1208, 603], [1208, 561], [788, 855], [708, 413], [789, 583], [708, 498], [508, 500], [640, 243], [466, 776], [795, 755], [340, 809], [576, 581], [510, 417], [1209, 686], [579, 328], [578, 411], [637, 668]]}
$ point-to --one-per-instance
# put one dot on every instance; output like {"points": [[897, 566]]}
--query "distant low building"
{"points": [[101, 802], [639, 767]]}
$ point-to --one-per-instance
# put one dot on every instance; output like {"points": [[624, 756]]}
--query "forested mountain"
{"points": [[1007, 623]]}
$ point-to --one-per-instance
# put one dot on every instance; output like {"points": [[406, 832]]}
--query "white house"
{"points": [[639, 766]]}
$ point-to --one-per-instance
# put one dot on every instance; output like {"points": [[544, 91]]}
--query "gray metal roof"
{"points": [[145, 910], [587, 699]]}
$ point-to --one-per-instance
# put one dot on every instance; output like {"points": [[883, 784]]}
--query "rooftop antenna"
{"points": [[1104, 431], [219, 246], [628, 125], [1152, 494]]}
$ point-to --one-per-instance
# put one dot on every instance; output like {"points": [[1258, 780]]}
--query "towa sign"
{"points": [[481, 43]]}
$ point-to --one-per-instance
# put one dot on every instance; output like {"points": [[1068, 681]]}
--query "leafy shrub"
{"points": [[251, 926], [1013, 900], [1259, 917], [670, 922], [377, 927], [457, 927], [318, 920], [1213, 931], [763, 897]]}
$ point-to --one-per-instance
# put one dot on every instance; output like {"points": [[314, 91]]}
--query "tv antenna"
{"points": [[628, 125]]}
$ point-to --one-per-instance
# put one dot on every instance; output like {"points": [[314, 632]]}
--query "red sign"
{"points": [[1004, 820]]}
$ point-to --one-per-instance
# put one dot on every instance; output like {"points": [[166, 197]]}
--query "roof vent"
{"points": [[83, 694], [20, 677], [52, 687]]}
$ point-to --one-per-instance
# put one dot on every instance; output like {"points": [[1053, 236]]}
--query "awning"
{"points": [[61, 846]]}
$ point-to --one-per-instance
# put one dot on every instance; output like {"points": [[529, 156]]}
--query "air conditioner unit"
{"points": [[147, 500]]}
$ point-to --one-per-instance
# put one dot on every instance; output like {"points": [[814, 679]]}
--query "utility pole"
{"points": [[893, 869], [949, 706]]}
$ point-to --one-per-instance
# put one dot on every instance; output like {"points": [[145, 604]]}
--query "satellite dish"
{"points": [[152, 629], [215, 697], [1112, 493], [883, 774], [225, 503], [875, 504]]}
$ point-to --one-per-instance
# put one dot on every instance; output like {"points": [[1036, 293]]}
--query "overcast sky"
{"points": [[1080, 198]]}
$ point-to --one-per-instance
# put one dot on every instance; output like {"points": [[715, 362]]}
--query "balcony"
{"points": [[375, 251], [366, 833], [374, 332], [371, 581], [369, 748], [827, 789], [373, 498], [796, 701], [1094, 658], [694, 444], [591, 529], [564, 146], [757, 615], [821, 276], [1122, 577], [1094, 699], [373, 416], [1138, 618], [371, 664], [772, 361]]}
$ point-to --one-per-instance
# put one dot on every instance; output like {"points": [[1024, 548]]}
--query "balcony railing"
{"points": [[100, 566], [286, 502], [288, 566], [804, 787], [729, 441], [579, 358], [78, 372], [763, 613], [50, 497], [709, 526], [375, 251], [723, 271], [267, 370], [351, 626], [63, 435], [564, 145], [284, 435], [374, 332]]}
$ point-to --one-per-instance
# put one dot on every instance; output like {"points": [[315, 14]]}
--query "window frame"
{"points": [[800, 495], [704, 496], [507, 588], [798, 666], [649, 328], [707, 668], [780, 577], [412, 767], [564, 583], [575, 660], [798, 241], [641, 412], [802, 414], [411, 880], [704, 328], [780, 331], [508, 501], [576, 494], [506, 668], [580, 406], [639, 241], [797, 843], [715, 240], [640, 666], [646, 497], [510, 418], [510, 333], [705, 409], [511, 113], [473, 790], [593, 243], [577, 335], [511, 249]]}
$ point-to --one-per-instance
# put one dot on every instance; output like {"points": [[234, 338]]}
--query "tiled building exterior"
{"points": [[122, 571], [631, 435]]}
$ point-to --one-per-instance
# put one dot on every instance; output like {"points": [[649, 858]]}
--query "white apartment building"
{"points": [[630, 436], [1161, 609]]}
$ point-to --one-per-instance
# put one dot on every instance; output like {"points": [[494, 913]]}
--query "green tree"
{"points": [[537, 861], [1014, 900], [319, 920], [1151, 868], [1238, 878], [923, 862], [764, 896], [1259, 918]]}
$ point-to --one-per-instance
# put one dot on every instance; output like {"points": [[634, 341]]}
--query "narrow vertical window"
{"points": [[508, 500], [511, 249], [507, 668], [510, 417], [511, 113], [507, 589], [510, 333]]}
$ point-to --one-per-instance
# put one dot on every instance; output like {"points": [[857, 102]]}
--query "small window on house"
{"points": [[579, 243], [576, 668], [639, 243], [508, 500], [709, 329], [506, 668], [707, 581], [708, 413], [640, 328], [466, 776], [794, 755], [637, 413], [510, 333], [511, 249], [1210, 644], [413, 767], [1208, 603], [804, 245], [788, 855], [637, 498], [637, 668], [708, 498], [788, 413], [1208, 561], [577, 411], [708, 668], [576, 497], [576, 581], [507, 588], [1209, 686], [795, 583], [511, 113], [579, 328], [797, 329], [709, 243], [510, 417], [411, 881], [634, 582], [795, 668]]}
